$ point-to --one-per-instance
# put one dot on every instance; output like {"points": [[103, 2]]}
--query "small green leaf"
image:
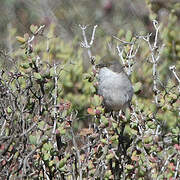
{"points": [[47, 75], [134, 132], [33, 139], [9, 110], [51, 163], [115, 125], [104, 120], [129, 166], [37, 76], [41, 125], [62, 162], [147, 139], [109, 156], [137, 87], [33, 28], [47, 146], [21, 39], [97, 100], [114, 138], [62, 130], [90, 165], [25, 65], [104, 141], [108, 173], [86, 76], [46, 156], [128, 36], [52, 72], [151, 124]]}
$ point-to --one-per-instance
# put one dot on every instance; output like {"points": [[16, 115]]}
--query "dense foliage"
{"points": [[53, 124]]}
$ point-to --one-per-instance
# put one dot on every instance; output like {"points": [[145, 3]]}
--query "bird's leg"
{"points": [[111, 113], [120, 153]]}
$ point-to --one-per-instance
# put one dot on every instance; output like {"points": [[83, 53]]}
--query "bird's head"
{"points": [[110, 62]]}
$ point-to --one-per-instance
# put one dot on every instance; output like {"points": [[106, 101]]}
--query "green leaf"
{"points": [[33, 28], [62, 130], [51, 163], [25, 65], [46, 156], [41, 125], [62, 162], [47, 75], [115, 125], [37, 76], [9, 110], [21, 39], [86, 76], [133, 132], [147, 139], [47, 146], [97, 100], [128, 36], [129, 166], [137, 87], [108, 174], [52, 72], [104, 141], [109, 156], [114, 138], [33, 139], [151, 124], [104, 120]]}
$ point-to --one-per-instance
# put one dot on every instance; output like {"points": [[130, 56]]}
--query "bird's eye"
{"points": [[100, 65]]}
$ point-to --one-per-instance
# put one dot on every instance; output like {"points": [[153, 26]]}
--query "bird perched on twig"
{"points": [[114, 84]]}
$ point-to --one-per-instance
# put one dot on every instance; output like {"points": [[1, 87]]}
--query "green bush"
{"points": [[53, 125]]}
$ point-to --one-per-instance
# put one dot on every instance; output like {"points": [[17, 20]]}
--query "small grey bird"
{"points": [[114, 84]]}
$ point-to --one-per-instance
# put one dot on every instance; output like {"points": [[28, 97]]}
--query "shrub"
{"points": [[53, 125]]}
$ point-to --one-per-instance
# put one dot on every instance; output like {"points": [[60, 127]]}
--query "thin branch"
{"points": [[93, 34], [27, 131], [177, 169], [173, 70], [155, 55], [85, 43], [55, 99]]}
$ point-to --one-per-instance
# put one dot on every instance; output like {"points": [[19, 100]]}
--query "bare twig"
{"points": [[129, 56], [155, 55], [173, 70], [44, 168], [93, 34], [27, 157], [38, 30], [27, 131], [85, 43], [55, 99], [177, 169]]}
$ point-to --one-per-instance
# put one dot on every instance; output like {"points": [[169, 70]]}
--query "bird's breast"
{"points": [[115, 88]]}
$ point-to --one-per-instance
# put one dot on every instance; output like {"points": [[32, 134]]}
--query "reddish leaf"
{"points": [[177, 147], [91, 111]]}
